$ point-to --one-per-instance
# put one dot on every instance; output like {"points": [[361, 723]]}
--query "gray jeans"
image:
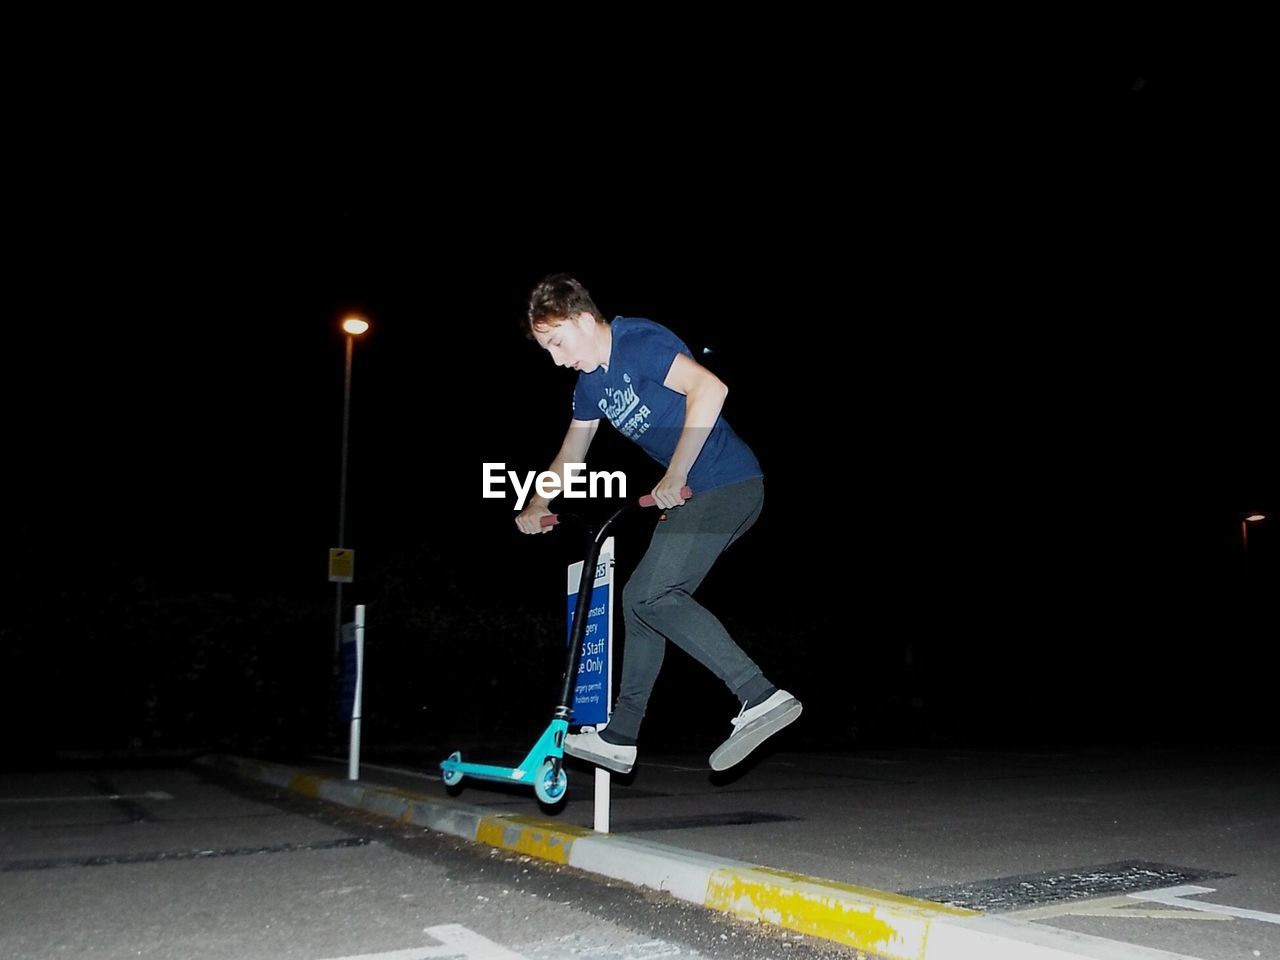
{"points": [[658, 602]]}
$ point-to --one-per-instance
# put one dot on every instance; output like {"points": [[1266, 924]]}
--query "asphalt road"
{"points": [[167, 862]]}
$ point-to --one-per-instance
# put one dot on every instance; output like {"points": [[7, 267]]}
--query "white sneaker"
{"points": [[754, 726], [587, 745]]}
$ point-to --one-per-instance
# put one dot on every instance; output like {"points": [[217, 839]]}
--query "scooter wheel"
{"points": [[551, 783], [452, 778]]}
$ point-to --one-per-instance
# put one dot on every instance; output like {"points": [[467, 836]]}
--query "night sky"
{"points": [[1000, 335]]}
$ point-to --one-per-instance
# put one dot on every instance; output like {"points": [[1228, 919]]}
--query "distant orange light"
{"points": [[1255, 517], [355, 325]]}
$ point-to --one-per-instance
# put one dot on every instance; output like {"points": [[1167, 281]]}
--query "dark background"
{"points": [[998, 326]]}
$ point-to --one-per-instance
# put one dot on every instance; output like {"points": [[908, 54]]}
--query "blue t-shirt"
{"points": [[631, 396]]}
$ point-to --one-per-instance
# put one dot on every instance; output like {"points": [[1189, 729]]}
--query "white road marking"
{"points": [[577, 946], [1176, 897], [1119, 906], [1122, 906], [456, 943]]}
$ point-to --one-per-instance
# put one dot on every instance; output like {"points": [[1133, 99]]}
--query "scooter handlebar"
{"points": [[551, 519], [647, 499]]}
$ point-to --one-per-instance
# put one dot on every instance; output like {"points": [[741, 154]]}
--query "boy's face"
{"points": [[571, 342]]}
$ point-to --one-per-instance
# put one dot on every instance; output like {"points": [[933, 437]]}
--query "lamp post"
{"points": [[1244, 527], [353, 326]]}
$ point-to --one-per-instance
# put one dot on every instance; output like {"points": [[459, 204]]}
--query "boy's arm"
{"points": [[574, 450], [704, 395]]}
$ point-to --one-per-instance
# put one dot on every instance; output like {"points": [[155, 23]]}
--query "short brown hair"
{"points": [[556, 298]]}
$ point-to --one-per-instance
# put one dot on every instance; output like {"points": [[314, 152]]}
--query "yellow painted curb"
{"points": [[307, 784], [883, 923], [537, 838]]}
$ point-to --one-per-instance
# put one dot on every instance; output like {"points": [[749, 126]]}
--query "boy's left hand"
{"points": [[667, 493]]}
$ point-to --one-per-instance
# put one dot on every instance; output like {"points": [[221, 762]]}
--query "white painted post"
{"points": [[602, 800], [603, 777], [353, 762]]}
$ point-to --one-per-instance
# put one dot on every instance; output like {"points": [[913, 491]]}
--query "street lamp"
{"points": [[1244, 527], [353, 327]]}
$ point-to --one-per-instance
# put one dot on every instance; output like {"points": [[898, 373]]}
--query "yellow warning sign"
{"points": [[342, 565]]}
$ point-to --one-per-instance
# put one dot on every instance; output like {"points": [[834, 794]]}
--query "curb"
{"points": [[886, 924]]}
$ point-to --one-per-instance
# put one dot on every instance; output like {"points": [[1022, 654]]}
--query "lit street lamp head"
{"points": [[355, 325], [1244, 527]]}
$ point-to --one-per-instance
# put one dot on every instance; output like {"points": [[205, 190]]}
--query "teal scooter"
{"points": [[543, 766]]}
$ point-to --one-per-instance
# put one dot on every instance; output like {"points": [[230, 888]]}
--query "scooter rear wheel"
{"points": [[551, 782], [452, 778]]}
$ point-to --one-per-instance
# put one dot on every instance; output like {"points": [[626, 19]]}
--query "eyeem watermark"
{"points": [[578, 485]]}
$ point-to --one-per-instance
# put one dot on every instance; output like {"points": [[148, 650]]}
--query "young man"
{"points": [[643, 379]]}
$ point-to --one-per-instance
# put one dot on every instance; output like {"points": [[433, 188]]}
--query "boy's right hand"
{"points": [[529, 520]]}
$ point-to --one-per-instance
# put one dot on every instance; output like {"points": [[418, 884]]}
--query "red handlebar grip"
{"points": [[647, 499], [550, 520]]}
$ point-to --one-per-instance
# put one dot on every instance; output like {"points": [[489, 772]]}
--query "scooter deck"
{"points": [[550, 746], [485, 771]]}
